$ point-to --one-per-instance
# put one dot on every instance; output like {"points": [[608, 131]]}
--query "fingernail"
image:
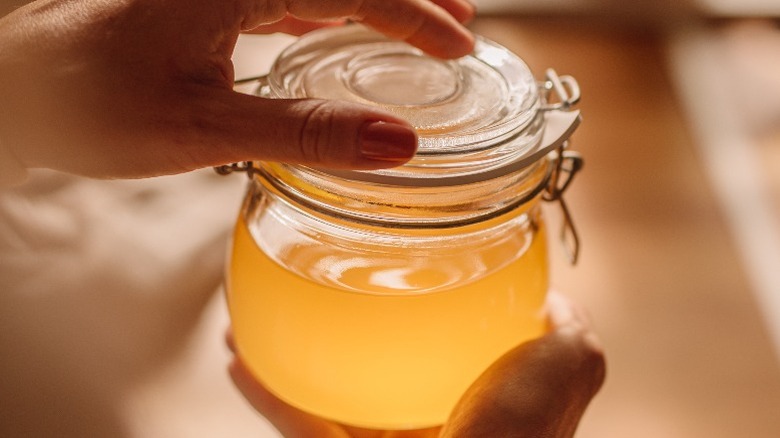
{"points": [[387, 141]]}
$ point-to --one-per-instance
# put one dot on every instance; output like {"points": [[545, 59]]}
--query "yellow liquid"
{"points": [[386, 361]]}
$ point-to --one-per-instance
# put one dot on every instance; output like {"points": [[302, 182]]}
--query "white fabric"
{"points": [[111, 320]]}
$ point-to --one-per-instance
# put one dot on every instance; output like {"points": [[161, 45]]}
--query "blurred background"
{"points": [[111, 312]]}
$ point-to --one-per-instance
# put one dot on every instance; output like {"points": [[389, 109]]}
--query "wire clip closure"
{"points": [[243, 166], [566, 164], [561, 93]]}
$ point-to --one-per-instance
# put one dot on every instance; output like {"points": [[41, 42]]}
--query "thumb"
{"points": [[540, 389], [322, 133]]}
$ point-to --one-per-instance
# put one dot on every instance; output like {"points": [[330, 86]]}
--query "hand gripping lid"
{"points": [[477, 117]]}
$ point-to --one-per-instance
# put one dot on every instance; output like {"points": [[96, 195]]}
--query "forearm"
{"points": [[15, 92], [12, 171], [47, 94]]}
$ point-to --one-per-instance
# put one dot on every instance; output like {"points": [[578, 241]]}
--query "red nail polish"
{"points": [[387, 141]]}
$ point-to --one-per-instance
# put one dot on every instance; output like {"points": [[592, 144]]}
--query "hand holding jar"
{"points": [[136, 88], [375, 298], [539, 389]]}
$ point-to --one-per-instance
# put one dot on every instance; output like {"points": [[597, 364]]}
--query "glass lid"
{"points": [[471, 113]]}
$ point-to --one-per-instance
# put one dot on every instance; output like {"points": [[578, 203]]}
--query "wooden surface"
{"points": [[688, 355]]}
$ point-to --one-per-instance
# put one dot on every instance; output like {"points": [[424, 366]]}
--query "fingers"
{"points": [[232, 127], [434, 27], [539, 389], [293, 26], [461, 10], [420, 23], [568, 320]]}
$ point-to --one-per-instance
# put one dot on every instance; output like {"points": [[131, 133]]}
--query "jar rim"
{"points": [[470, 113], [405, 207]]}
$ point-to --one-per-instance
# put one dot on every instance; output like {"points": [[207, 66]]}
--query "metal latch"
{"points": [[565, 166], [561, 93]]}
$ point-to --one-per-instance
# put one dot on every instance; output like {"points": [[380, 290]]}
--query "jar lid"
{"points": [[472, 114]]}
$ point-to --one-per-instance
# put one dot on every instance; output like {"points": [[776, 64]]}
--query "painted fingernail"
{"points": [[387, 141]]}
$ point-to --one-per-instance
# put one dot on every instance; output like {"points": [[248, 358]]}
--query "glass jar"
{"points": [[375, 298]]}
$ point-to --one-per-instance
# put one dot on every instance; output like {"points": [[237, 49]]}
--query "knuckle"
{"points": [[263, 11], [317, 132]]}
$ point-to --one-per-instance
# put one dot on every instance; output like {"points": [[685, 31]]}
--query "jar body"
{"points": [[380, 326], [376, 298]]}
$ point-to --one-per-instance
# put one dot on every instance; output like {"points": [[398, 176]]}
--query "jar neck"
{"points": [[405, 206]]}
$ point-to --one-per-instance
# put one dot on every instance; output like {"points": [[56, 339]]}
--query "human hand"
{"points": [[540, 389], [135, 88]]}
